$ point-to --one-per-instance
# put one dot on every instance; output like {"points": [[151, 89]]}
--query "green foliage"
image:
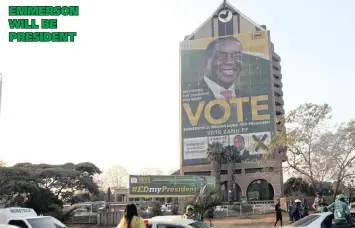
{"points": [[339, 147], [175, 209], [156, 209], [306, 125], [62, 215], [295, 184], [216, 153], [202, 203], [45, 187], [2, 163], [315, 150]]}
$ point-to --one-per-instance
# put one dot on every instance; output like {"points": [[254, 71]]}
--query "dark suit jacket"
{"points": [[246, 156], [206, 190]]}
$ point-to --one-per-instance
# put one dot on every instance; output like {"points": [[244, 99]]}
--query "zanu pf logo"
{"points": [[260, 142]]}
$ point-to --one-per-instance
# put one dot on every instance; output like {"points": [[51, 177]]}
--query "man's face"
{"points": [[190, 212], [238, 144], [226, 62]]}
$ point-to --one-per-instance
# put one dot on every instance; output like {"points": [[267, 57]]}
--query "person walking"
{"points": [[210, 213], [305, 208], [278, 213], [318, 201], [296, 212], [130, 218], [289, 210]]}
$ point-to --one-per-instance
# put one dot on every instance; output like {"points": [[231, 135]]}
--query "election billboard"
{"points": [[226, 96], [169, 186]]}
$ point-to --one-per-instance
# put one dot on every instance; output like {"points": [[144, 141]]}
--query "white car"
{"points": [[321, 220], [175, 221], [8, 226]]}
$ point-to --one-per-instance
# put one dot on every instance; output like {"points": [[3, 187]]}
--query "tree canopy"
{"points": [[315, 150], [44, 187], [297, 184]]}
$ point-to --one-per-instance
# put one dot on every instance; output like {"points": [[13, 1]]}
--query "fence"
{"points": [[244, 208], [83, 219], [108, 219]]}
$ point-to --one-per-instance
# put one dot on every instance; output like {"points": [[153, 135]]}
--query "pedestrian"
{"points": [[190, 213], [305, 208], [130, 218], [278, 213], [318, 201], [296, 212], [289, 210], [340, 210], [210, 213]]}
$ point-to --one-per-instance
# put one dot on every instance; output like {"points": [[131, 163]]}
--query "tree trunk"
{"points": [[217, 174], [230, 181], [336, 190]]}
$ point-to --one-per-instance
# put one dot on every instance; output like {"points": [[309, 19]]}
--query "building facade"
{"points": [[253, 180]]}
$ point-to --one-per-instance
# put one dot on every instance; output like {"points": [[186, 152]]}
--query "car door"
{"points": [[165, 225]]}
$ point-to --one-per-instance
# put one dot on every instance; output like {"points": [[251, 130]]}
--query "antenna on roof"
{"points": [[224, 4]]}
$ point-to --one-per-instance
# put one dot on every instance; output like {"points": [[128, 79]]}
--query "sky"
{"points": [[112, 96]]}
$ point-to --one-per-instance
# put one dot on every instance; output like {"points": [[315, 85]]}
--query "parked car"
{"points": [[175, 221], [321, 220]]}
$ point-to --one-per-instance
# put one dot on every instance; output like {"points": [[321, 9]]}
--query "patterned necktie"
{"points": [[227, 94]]}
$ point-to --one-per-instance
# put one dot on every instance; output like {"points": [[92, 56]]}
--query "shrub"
{"points": [[62, 215], [175, 209], [156, 209]]}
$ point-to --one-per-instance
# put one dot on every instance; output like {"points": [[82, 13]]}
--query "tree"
{"points": [[339, 148], [230, 156], [116, 176], [306, 124], [216, 154], [297, 184], [202, 203], [44, 187], [150, 171], [156, 209], [2, 163]]}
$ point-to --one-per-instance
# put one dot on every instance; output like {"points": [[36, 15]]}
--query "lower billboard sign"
{"points": [[169, 186]]}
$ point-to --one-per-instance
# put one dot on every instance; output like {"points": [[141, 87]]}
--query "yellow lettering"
{"points": [[239, 102], [164, 188], [146, 189], [224, 118], [140, 189], [255, 107], [194, 118]]}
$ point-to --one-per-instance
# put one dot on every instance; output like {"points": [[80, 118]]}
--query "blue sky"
{"points": [[112, 97]]}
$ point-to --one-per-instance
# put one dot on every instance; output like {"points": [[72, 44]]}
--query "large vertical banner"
{"points": [[226, 96]]}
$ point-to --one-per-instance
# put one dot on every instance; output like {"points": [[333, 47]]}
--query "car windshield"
{"points": [[306, 221], [199, 225], [45, 222]]}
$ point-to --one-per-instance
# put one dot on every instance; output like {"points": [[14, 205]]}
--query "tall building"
{"points": [[244, 115]]}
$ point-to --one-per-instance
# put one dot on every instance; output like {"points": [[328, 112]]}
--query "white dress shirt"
{"points": [[217, 89], [202, 190]]}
